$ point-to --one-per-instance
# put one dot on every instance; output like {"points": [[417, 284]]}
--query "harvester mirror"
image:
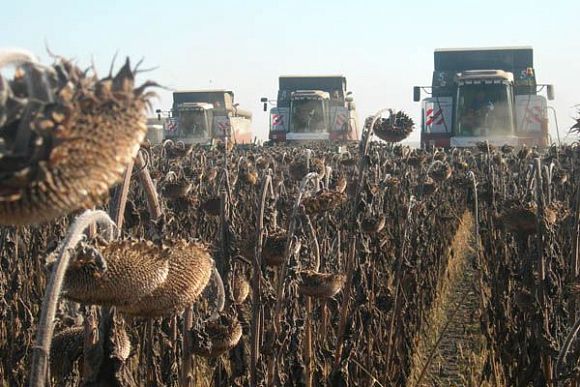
{"points": [[264, 100], [416, 93], [158, 111], [550, 92]]}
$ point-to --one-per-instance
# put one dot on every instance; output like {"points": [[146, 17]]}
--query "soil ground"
{"points": [[451, 336]]}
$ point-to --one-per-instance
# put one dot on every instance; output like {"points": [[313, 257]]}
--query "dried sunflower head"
{"points": [[576, 127], [320, 285], [241, 289], [395, 128], [190, 268], [65, 350], [219, 336], [116, 273], [66, 137], [323, 201], [274, 248]]}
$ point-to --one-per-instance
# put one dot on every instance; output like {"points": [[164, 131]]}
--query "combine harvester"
{"points": [[313, 108], [204, 117], [484, 94]]}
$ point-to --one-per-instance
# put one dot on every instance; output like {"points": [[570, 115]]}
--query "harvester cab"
{"points": [[309, 111], [195, 120], [485, 103], [484, 95], [313, 108], [202, 117]]}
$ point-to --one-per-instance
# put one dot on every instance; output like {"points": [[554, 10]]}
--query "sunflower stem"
{"points": [[45, 328]]}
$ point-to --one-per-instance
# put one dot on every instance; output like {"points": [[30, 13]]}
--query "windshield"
{"points": [[309, 115], [484, 110], [193, 123]]}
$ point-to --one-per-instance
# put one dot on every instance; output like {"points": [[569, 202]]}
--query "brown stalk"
{"points": [[312, 234], [187, 361], [566, 347], [256, 337], [308, 343], [575, 256], [546, 360], [119, 202], [49, 304], [94, 347], [308, 369], [283, 270], [324, 305], [225, 265], [148, 187], [479, 252], [288, 250], [350, 265], [398, 274], [350, 260], [573, 264], [364, 150]]}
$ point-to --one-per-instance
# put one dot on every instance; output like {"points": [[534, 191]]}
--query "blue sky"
{"points": [[384, 48]]}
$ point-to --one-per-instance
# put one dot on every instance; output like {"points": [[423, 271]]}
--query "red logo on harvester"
{"points": [[277, 120], [340, 120], [171, 124], [224, 125], [434, 117], [534, 114]]}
